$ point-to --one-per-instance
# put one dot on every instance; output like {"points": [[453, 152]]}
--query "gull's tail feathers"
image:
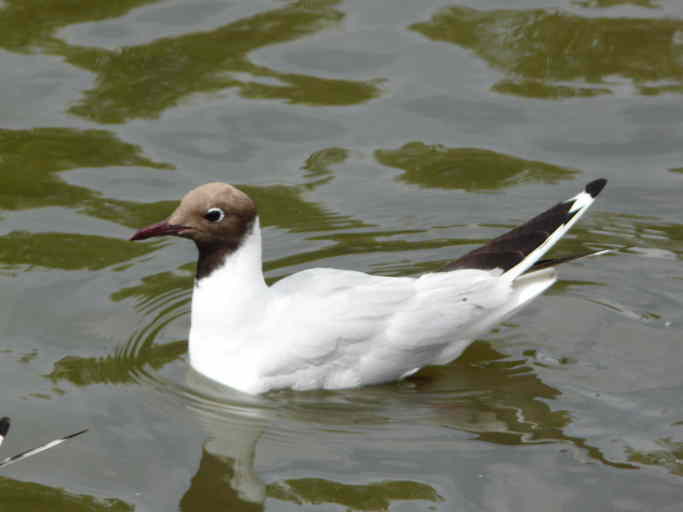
{"points": [[552, 262], [4, 428], [522, 248], [524, 289]]}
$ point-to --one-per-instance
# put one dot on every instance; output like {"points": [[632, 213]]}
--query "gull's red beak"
{"points": [[161, 229]]}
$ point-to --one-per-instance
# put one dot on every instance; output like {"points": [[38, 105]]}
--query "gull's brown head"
{"points": [[216, 216]]}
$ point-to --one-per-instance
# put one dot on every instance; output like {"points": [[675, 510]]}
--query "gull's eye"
{"points": [[214, 215]]}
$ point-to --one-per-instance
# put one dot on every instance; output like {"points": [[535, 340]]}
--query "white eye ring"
{"points": [[214, 215]]}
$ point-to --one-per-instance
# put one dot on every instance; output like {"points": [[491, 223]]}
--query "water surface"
{"points": [[374, 136]]}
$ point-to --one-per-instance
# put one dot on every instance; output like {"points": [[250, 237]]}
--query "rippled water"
{"points": [[379, 136]]}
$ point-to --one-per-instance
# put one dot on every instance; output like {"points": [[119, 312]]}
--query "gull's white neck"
{"points": [[232, 295]]}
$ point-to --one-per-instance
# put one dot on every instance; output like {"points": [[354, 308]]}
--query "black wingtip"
{"points": [[4, 426], [596, 186], [70, 436]]}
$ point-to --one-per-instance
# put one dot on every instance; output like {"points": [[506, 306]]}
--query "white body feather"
{"points": [[327, 328]]}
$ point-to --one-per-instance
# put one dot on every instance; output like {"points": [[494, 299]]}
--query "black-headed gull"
{"points": [[4, 429], [330, 329]]}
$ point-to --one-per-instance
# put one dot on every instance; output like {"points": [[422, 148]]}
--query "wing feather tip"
{"points": [[595, 187], [4, 426]]}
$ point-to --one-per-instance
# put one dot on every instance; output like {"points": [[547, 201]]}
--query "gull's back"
{"points": [[328, 328]]}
